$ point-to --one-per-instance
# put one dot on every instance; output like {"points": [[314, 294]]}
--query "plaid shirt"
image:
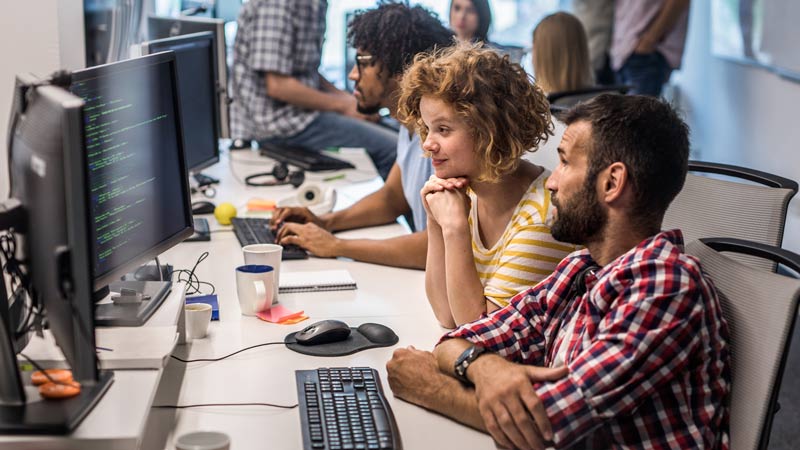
{"points": [[281, 36], [648, 358]]}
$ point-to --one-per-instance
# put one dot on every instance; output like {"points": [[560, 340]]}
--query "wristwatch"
{"points": [[462, 363]]}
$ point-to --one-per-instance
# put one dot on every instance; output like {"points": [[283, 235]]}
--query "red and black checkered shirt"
{"points": [[648, 355]]}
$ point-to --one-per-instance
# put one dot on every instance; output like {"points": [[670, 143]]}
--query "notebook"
{"points": [[316, 281]]}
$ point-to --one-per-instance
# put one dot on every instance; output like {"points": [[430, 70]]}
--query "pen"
{"points": [[334, 177], [105, 348]]}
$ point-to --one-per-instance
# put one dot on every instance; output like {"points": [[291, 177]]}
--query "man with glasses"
{"points": [[279, 94], [386, 40]]}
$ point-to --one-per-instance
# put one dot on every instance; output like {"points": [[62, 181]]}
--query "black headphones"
{"points": [[280, 172]]}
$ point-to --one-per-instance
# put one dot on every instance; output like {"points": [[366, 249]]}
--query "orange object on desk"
{"points": [[260, 204]]}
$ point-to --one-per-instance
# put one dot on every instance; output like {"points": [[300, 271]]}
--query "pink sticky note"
{"points": [[278, 313]]}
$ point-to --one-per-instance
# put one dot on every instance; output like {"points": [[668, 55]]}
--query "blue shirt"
{"points": [[415, 170]]}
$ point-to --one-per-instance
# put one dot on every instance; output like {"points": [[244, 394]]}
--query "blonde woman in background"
{"points": [[561, 54]]}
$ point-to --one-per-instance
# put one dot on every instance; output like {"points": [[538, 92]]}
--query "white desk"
{"points": [[391, 296]]}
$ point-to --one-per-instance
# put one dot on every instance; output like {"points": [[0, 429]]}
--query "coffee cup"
{"points": [[266, 255], [254, 285], [198, 316]]}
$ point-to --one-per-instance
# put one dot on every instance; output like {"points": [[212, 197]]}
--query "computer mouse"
{"points": [[323, 332], [203, 207], [240, 144], [378, 334]]}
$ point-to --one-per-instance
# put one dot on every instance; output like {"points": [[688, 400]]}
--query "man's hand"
{"points": [[512, 412], [311, 237], [645, 46], [413, 375], [296, 214]]}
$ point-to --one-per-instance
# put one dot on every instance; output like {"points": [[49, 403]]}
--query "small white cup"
{"points": [[198, 316], [254, 285], [203, 440], [266, 255]]}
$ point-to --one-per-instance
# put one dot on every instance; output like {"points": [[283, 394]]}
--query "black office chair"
{"points": [[560, 101], [750, 205], [761, 311]]}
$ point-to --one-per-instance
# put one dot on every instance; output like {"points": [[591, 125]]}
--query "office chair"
{"points": [[561, 101], [752, 207], [761, 310]]}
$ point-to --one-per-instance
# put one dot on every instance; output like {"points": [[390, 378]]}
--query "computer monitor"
{"points": [[138, 187], [47, 216], [196, 57], [164, 27]]}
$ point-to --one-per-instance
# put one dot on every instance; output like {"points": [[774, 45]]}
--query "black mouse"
{"points": [[240, 144], [203, 207], [378, 334], [323, 332]]}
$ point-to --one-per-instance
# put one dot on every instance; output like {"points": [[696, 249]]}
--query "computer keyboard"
{"points": [[345, 408], [304, 158], [254, 230]]}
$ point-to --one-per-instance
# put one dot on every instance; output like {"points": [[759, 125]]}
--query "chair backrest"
{"points": [[760, 308], [713, 207], [565, 99]]}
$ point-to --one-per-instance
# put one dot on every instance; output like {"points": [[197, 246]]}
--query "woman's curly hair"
{"points": [[508, 113]]}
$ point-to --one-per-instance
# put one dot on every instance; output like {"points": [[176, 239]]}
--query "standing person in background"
{"points": [[279, 95], [597, 17], [561, 55], [648, 43], [470, 20]]}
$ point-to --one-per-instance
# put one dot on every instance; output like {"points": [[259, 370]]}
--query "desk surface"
{"points": [[391, 296]]}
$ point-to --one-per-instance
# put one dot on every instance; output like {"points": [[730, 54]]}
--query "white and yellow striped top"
{"points": [[526, 253]]}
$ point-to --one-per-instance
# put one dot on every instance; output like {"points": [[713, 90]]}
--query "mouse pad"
{"points": [[354, 343]]}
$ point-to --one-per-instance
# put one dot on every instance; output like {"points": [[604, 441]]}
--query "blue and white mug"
{"points": [[254, 286]]}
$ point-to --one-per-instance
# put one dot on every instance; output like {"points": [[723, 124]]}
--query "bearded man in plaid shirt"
{"points": [[624, 345]]}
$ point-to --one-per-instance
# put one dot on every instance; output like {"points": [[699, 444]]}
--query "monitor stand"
{"points": [[134, 309], [40, 416]]}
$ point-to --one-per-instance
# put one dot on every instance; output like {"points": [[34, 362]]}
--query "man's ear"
{"points": [[613, 182]]}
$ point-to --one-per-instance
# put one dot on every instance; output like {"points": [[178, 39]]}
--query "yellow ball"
{"points": [[224, 213]]}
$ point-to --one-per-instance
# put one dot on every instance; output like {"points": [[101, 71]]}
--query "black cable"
{"points": [[198, 405], [193, 282], [226, 356]]}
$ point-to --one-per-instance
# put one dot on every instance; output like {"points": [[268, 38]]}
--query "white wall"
{"points": [[37, 36], [740, 114]]}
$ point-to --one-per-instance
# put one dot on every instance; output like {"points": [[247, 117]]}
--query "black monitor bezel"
{"points": [[151, 47], [102, 280], [218, 26]]}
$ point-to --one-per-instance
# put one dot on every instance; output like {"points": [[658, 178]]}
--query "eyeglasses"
{"points": [[363, 61]]}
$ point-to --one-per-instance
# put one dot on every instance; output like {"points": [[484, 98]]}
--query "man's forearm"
{"points": [[381, 207], [290, 90], [403, 251], [665, 20], [457, 402]]}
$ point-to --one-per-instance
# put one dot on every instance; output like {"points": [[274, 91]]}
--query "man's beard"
{"points": [[368, 110], [581, 220]]}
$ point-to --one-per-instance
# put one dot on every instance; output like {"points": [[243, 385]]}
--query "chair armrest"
{"points": [[772, 253], [753, 175]]}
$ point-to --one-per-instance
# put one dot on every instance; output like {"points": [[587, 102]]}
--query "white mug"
{"points": [[198, 316], [254, 285], [266, 255]]}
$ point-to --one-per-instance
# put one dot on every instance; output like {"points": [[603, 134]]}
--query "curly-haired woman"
{"points": [[489, 213]]}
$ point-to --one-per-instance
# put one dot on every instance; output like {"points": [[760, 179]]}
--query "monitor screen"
{"points": [[164, 27], [196, 58], [138, 187]]}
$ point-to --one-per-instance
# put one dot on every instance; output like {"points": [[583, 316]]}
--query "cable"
{"points": [[199, 405], [226, 356], [193, 282]]}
